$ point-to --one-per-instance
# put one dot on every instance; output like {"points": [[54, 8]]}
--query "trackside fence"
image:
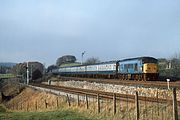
{"points": [[116, 107]]}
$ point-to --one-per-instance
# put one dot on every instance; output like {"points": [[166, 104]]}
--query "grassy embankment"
{"points": [[31, 104]]}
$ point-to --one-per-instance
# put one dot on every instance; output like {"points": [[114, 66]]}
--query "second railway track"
{"points": [[102, 94], [124, 82]]}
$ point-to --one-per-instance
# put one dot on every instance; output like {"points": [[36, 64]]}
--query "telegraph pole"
{"points": [[27, 74], [31, 71], [82, 57]]}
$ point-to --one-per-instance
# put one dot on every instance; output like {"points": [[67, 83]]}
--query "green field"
{"points": [[6, 76], [52, 115]]}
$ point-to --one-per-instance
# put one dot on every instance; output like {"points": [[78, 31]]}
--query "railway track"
{"points": [[159, 84], [107, 95]]}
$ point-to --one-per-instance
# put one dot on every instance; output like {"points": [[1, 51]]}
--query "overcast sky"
{"points": [[43, 30]]}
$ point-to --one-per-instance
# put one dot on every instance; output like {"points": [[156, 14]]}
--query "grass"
{"points": [[49, 115], [52, 115]]}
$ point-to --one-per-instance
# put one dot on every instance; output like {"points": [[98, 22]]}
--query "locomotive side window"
{"points": [[130, 66], [126, 66], [135, 67]]}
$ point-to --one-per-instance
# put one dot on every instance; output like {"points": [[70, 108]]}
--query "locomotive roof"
{"points": [[139, 58]]}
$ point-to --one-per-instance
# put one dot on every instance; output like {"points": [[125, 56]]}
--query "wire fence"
{"points": [[116, 107]]}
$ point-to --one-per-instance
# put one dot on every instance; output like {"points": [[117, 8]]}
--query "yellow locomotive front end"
{"points": [[150, 71], [150, 68]]}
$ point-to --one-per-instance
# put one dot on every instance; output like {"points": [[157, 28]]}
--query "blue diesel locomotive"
{"points": [[140, 68]]}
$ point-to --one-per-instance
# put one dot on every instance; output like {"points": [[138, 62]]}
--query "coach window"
{"points": [[136, 67]]}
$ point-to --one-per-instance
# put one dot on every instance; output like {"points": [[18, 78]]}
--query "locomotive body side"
{"points": [[141, 68], [130, 69]]}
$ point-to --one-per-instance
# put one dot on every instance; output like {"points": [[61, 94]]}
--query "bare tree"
{"points": [[35, 68], [65, 59], [176, 56], [51, 67]]}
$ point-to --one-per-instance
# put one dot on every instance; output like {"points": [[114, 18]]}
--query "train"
{"points": [[139, 68]]}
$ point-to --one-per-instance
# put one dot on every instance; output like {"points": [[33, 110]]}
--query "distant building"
{"points": [[169, 65]]}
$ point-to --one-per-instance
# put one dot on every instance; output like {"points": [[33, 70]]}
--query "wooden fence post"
{"points": [[162, 114], [17, 106], [145, 108], [121, 108], [45, 102], [167, 105], [98, 104], [175, 111], [137, 106], [87, 104], [13, 105], [127, 102], [157, 98], [68, 100], [152, 114], [57, 102], [27, 106], [114, 103], [36, 105], [21, 105], [78, 100]]}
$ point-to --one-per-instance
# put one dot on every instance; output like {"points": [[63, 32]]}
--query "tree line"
{"points": [[167, 67], [170, 67], [70, 60]]}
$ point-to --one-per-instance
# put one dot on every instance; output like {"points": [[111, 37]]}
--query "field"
{"points": [[6, 76]]}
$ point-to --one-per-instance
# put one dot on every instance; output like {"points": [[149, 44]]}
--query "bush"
{"points": [[2, 109]]}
